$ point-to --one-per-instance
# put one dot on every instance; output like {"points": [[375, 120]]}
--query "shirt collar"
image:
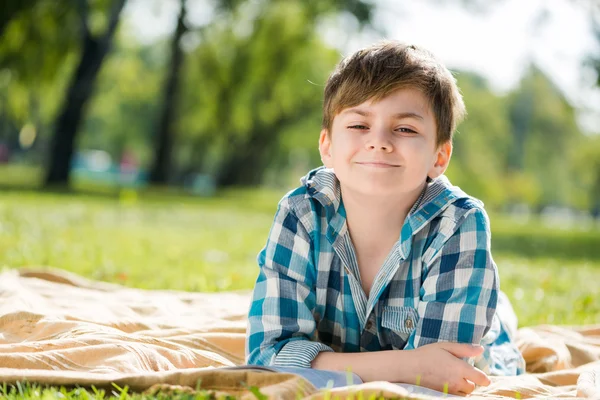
{"points": [[322, 185]]}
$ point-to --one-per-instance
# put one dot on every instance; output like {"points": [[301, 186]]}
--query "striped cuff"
{"points": [[299, 353]]}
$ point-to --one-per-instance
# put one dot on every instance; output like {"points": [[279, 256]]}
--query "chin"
{"points": [[370, 187]]}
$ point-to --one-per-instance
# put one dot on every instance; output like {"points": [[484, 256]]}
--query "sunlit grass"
{"points": [[202, 246], [550, 291], [38, 392]]}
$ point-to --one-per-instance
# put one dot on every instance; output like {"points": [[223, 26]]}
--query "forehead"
{"points": [[400, 101]]}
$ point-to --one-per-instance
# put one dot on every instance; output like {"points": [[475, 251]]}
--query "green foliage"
{"points": [[524, 148], [545, 138], [481, 143], [122, 114], [37, 52], [254, 73], [37, 39], [551, 242], [587, 167], [35, 49], [250, 106]]}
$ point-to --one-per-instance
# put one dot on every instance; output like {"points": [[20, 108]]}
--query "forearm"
{"points": [[372, 366]]}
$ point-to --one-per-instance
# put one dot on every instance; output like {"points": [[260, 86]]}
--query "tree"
{"points": [[165, 135], [545, 137], [481, 142], [121, 115], [94, 50], [255, 84], [36, 48], [12, 8]]}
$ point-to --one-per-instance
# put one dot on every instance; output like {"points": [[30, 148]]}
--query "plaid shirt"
{"points": [[438, 284]]}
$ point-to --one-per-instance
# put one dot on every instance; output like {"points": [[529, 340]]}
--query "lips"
{"points": [[378, 164]]}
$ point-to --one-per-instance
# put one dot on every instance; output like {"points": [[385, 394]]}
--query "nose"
{"points": [[378, 140]]}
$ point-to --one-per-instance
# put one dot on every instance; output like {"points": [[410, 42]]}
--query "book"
{"points": [[320, 379], [323, 379]]}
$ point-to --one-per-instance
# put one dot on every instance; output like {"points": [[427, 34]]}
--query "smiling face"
{"points": [[385, 148]]}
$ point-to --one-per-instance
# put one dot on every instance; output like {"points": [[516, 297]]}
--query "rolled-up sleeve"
{"points": [[459, 293], [280, 320]]}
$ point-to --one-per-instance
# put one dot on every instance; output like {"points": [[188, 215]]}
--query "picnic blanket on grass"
{"points": [[60, 329]]}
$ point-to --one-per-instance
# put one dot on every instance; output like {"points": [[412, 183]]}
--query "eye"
{"points": [[406, 130], [358, 127]]}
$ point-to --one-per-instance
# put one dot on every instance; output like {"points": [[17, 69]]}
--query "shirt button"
{"points": [[369, 324], [408, 323]]}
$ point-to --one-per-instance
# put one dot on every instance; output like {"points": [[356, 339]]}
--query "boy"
{"points": [[377, 263]]}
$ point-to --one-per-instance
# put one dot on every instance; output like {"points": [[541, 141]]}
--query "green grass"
{"points": [[38, 392], [175, 245], [167, 240]]}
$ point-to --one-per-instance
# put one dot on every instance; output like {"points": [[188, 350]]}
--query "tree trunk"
{"points": [[520, 119], [79, 92], [165, 135], [246, 165]]}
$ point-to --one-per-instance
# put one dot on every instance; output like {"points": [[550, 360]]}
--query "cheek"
{"points": [[343, 149], [419, 153]]}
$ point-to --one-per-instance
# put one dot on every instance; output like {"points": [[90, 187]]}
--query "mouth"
{"points": [[378, 164]]}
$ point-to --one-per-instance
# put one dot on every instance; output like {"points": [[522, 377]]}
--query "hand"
{"points": [[440, 364]]}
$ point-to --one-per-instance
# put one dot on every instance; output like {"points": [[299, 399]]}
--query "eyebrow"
{"points": [[400, 115]]}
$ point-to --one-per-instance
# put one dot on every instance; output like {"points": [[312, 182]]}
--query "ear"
{"points": [[325, 148], [442, 160]]}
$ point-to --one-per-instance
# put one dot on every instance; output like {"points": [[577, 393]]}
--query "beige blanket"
{"points": [[61, 329]]}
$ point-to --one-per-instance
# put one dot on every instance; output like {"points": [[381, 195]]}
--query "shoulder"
{"points": [[466, 210], [460, 224], [298, 206], [456, 207], [461, 231], [318, 197], [297, 201]]}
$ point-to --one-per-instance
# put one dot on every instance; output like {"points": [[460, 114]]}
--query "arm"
{"points": [[460, 287], [437, 366], [280, 320]]}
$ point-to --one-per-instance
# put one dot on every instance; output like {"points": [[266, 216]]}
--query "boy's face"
{"points": [[387, 147]]}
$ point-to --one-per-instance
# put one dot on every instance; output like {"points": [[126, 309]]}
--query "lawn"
{"points": [[174, 241]]}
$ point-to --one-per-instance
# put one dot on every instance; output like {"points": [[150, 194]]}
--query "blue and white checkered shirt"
{"points": [[438, 284]]}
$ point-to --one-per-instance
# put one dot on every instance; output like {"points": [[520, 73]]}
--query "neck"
{"points": [[372, 218]]}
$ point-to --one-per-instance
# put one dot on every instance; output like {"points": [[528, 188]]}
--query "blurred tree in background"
{"points": [[236, 100], [93, 50], [165, 136], [39, 37]]}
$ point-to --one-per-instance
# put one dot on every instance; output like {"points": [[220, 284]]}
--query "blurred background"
{"points": [[147, 142]]}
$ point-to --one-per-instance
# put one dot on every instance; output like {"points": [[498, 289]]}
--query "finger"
{"points": [[468, 387], [462, 350], [477, 376], [461, 387]]}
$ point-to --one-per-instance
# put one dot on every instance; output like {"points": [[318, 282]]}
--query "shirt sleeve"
{"points": [[280, 321], [459, 293]]}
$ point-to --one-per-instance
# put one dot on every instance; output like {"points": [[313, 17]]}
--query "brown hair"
{"points": [[376, 71]]}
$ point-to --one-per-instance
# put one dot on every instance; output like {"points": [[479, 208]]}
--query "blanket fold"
{"points": [[62, 329]]}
